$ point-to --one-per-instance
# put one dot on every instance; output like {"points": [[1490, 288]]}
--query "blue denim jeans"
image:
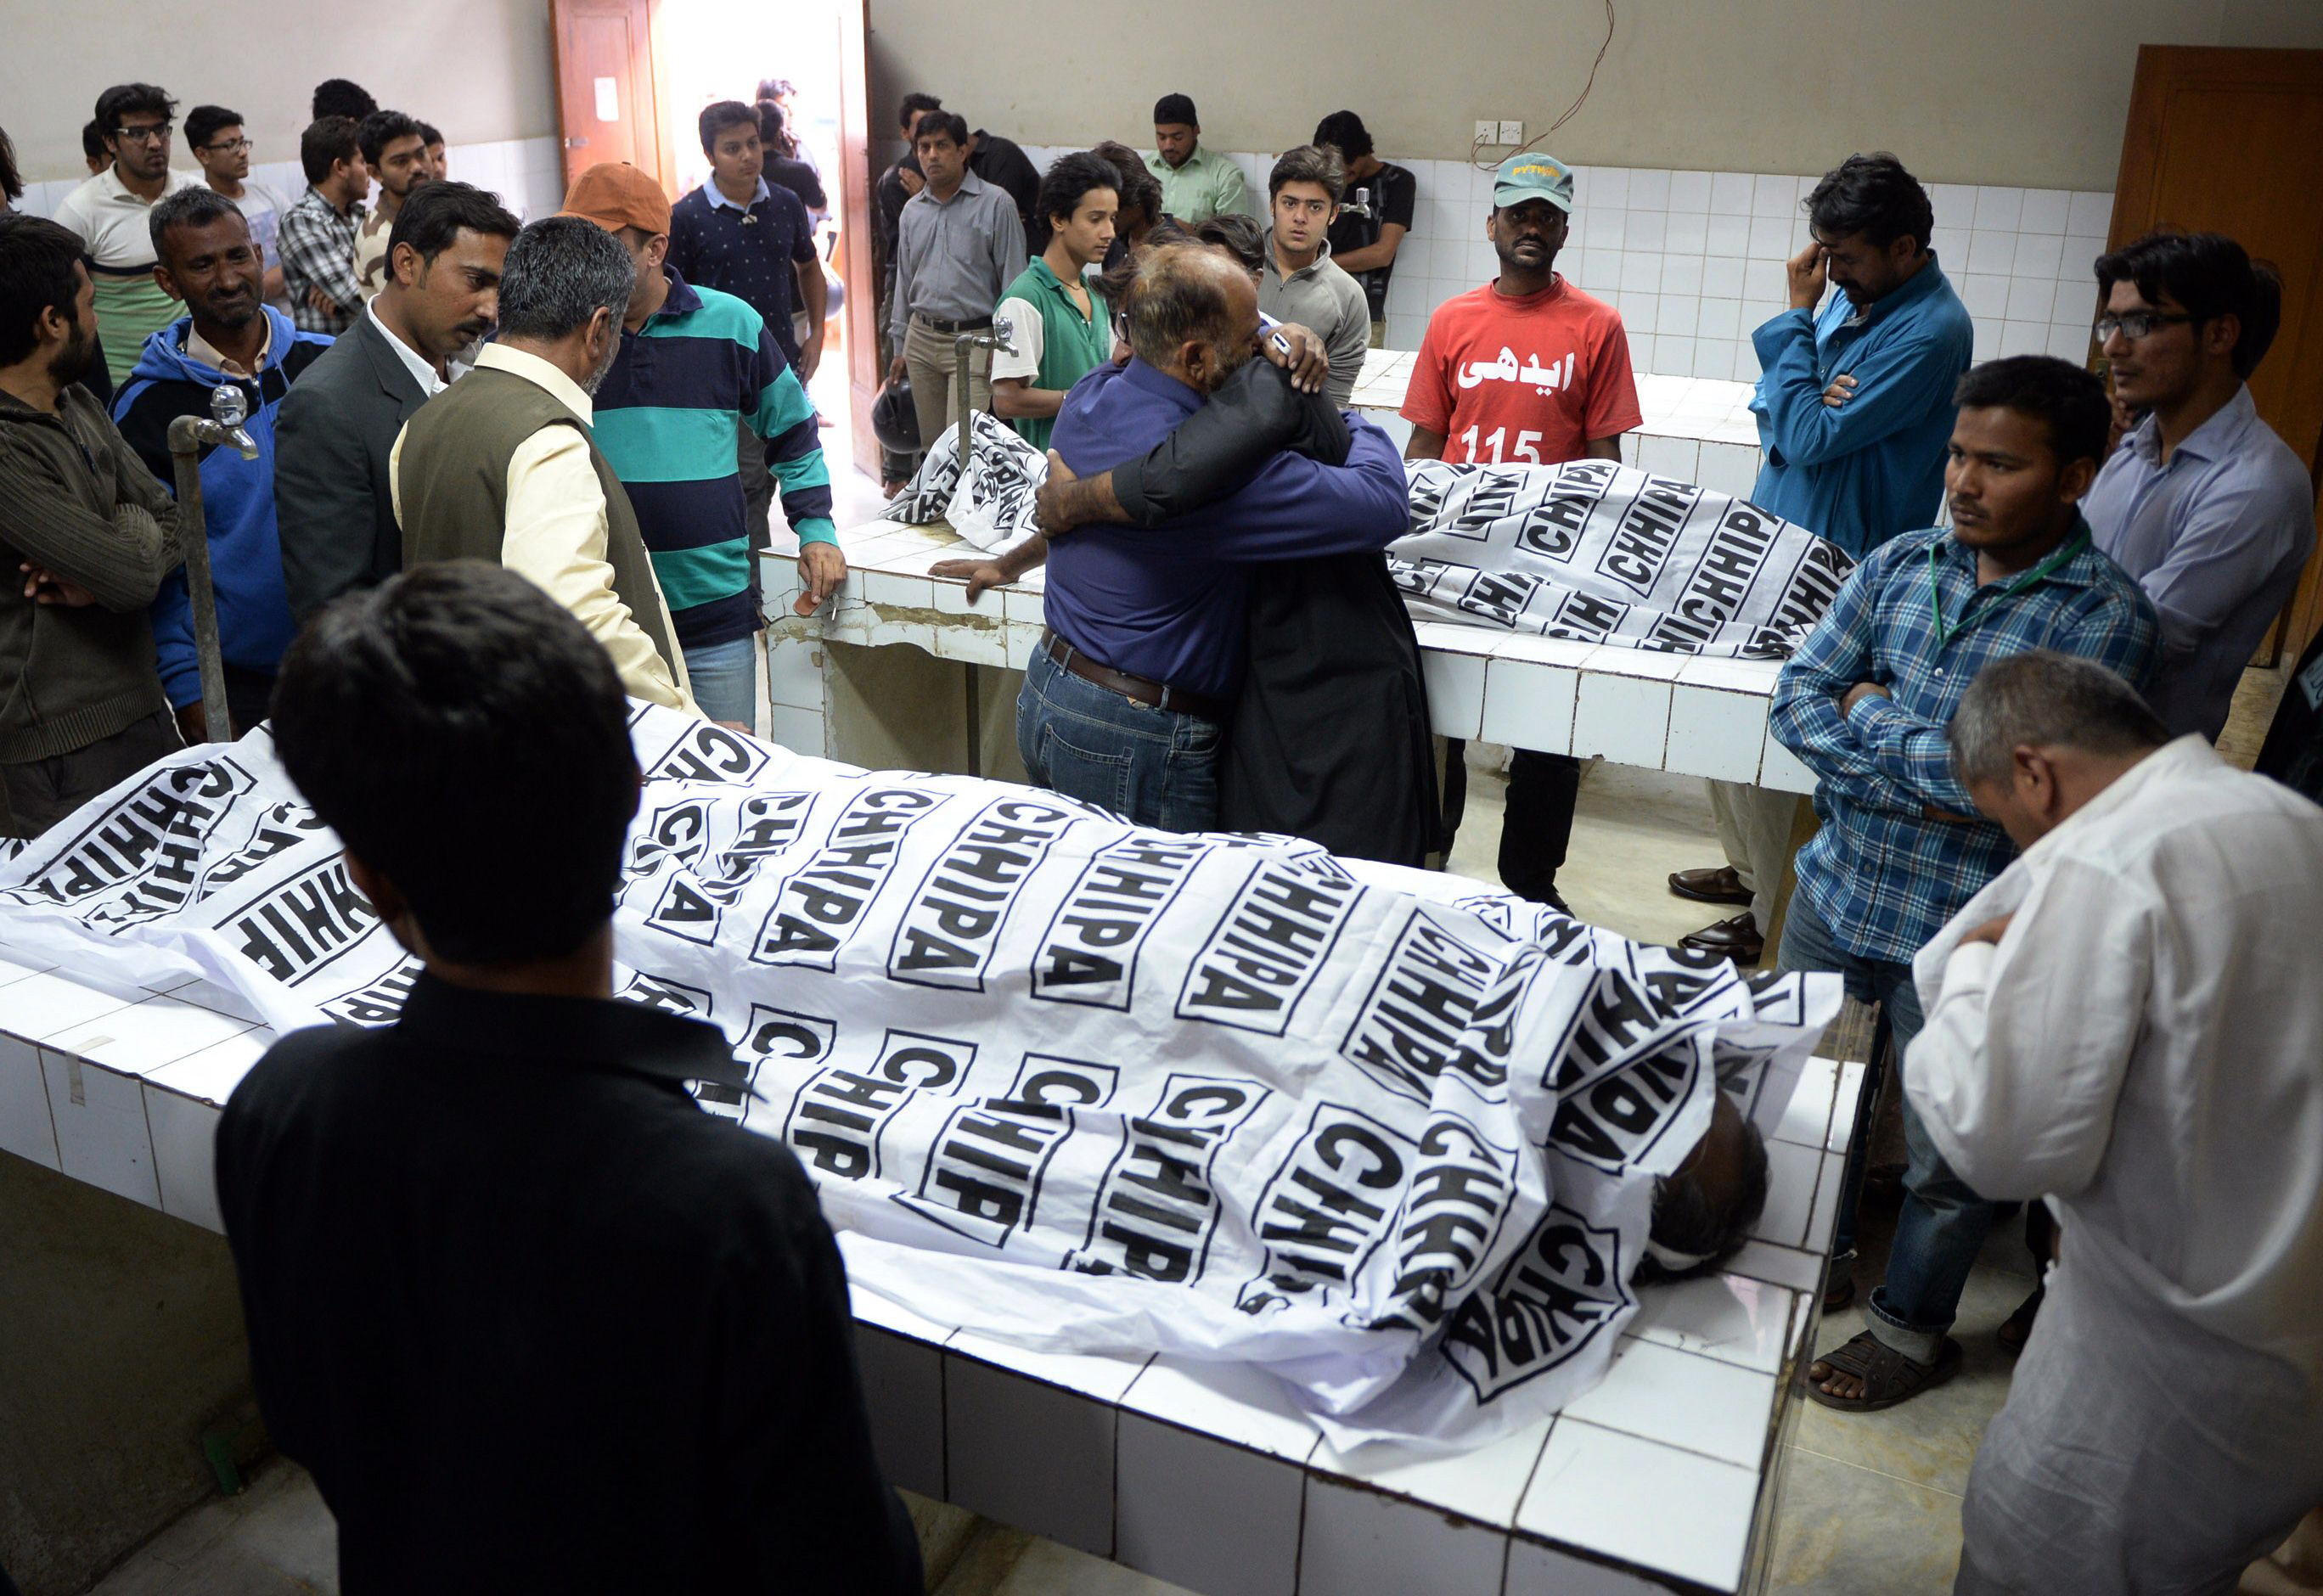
{"points": [[1158, 767], [725, 680], [1943, 1225]]}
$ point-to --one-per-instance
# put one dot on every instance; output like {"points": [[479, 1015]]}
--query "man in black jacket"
{"points": [[532, 1318], [332, 497]]}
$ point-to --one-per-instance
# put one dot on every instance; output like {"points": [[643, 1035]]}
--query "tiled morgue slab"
{"points": [[1665, 1477], [1698, 429], [1661, 712]]}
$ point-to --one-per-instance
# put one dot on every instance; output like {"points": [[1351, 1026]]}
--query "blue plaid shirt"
{"points": [[1881, 873]]}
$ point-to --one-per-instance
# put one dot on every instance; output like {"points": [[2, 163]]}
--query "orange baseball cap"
{"points": [[615, 194]]}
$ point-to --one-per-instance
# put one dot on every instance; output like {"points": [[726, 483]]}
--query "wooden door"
{"points": [[2231, 141], [606, 106], [855, 257]]}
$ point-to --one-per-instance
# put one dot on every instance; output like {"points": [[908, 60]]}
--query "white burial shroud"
{"points": [[1063, 1080]]}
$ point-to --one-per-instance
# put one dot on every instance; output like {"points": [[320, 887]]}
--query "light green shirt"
{"points": [[1206, 186]]}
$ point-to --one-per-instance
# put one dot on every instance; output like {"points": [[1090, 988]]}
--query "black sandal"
{"points": [[1888, 1376]]}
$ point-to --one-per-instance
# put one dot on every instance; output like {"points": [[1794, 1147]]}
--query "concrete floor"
{"points": [[1870, 1505]]}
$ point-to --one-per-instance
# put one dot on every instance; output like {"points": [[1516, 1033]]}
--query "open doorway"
{"points": [[707, 51]]}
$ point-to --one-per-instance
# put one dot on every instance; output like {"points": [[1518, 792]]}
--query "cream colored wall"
{"points": [[2026, 92], [480, 70]]}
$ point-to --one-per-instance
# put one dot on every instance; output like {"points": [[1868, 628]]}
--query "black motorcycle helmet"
{"points": [[893, 420]]}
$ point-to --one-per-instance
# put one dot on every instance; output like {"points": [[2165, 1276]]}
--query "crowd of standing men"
{"points": [[2069, 912]]}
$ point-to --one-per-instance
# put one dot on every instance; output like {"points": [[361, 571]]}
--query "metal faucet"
{"points": [[188, 436], [1002, 338], [1360, 206]]}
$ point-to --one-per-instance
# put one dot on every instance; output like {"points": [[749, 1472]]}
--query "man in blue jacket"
{"points": [[205, 256], [1124, 702], [1854, 412]]}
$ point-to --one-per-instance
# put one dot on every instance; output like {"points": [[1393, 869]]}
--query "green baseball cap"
{"points": [[1533, 175]]}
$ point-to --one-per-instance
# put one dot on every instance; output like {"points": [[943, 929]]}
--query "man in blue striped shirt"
{"points": [[693, 362], [1865, 703]]}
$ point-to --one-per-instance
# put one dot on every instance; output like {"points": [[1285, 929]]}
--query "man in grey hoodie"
{"points": [[85, 536]]}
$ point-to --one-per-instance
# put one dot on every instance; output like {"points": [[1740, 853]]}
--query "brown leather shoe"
{"points": [[1720, 886], [1737, 939]]}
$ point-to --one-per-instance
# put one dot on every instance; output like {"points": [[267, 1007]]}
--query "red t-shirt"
{"points": [[1522, 381]]}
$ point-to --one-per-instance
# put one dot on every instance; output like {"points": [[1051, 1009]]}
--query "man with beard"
{"points": [[1125, 702], [229, 335], [395, 148], [442, 293], [504, 466], [85, 536]]}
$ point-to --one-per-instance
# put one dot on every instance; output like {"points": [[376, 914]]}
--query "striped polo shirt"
{"points": [[665, 418]]}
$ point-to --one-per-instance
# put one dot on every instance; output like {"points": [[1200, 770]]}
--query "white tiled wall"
{"points": [[1693, 260], [528, 174]]}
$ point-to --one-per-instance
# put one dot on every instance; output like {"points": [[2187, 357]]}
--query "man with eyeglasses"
{"points": [[2200, 502], [214, 135], [110, 214]]}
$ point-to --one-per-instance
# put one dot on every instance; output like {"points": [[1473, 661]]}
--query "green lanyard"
{"points": [[2072, 545]]}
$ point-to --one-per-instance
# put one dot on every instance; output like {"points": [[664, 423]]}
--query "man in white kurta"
{"points": [[2129, 1022]]}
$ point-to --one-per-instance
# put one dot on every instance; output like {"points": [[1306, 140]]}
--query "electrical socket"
{"points": [[1512, 132], [1487, 132]]}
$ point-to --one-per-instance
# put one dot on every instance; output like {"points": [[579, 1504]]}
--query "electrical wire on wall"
{"points": [[1476, 147]]}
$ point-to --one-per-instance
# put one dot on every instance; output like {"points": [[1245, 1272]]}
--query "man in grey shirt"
{"points": [[1302, 283], [2201, 502], [959, 244]]}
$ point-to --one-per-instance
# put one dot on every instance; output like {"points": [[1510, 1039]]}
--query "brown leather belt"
{"points": [[1153, 695]]}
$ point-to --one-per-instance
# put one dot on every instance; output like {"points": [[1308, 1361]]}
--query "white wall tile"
{"points": [[1951, 243], [1689, 193], [2089, 212], [2079, 258], [1678, 312], [1689, 232], [2038, 254], [1527, 705], [1723, 277], [1659, 1394], [1983, 292], [1605, 229], [1954, 204], [1674, 354], [1999, 208], [1608, 185], [2045, 210], [1649, 189], [1991, 250], [2076, 301], [1763, 278], [1728, 234], [1775, 194], [1643, 230], [1456, 691], [2068, 341], [1536, 1568], [1730, 194], [1746, 362], [1775, 238], [1640, 314], [1030, 1454], [2024, 337], [1641, 273], [2029, 297], [1681, 273], [1722, 317]]}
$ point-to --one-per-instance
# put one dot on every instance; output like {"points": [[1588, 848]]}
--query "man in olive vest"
{"points": [[502, 465]]}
